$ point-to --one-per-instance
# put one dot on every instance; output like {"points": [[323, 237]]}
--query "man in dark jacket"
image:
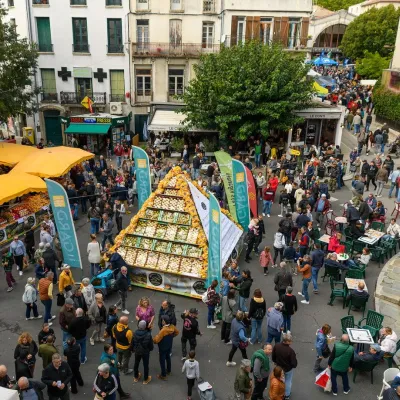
{"points": [[364, 210], [50, 259], [189, 331], [56, 377], [122, 284], [286, 226], [285, 357], [142, 345], [196, 166], [364, 168], [371, 174], [282, 280], [317, 261], [79, 301], [78, 329], [353, 215], [167, 309], [28, 388]]}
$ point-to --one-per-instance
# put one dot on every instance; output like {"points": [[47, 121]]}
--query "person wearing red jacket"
{"points": [[268, 199], [304, 241], [273, 182], [322, 206], [118, 151]]}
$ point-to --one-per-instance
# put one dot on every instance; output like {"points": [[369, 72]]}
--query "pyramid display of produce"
{"points": [[165, 241]]}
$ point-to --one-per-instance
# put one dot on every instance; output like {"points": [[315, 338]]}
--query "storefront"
{"points": [[93, 131]]}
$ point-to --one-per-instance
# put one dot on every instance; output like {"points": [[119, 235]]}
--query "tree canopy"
{"points": [[336, 5], [247, 90], [374, 31], [18, 61], [371, 65]]}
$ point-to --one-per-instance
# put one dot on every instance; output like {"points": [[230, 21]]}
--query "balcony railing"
{"points": [[209, 6], [168, 50], [49, 97], [115, 48], [300, 43], [76, 98], [37, 2], [45, 48], [117, 97], [81, 48]]}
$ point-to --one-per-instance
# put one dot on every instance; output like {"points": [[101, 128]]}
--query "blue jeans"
{"points": [[94, 269], [304, 289], [288, 382], [267, 207], [348, 126], [105, 237], [287, 322], [119, 159], [47, 310], [257, 158], [74, 209], [345, 379], [356, 128], [82, 343], [392, 186], [196, 173], [339, 181], [273, 334], [94, 225], [66, 336], [382, 147], [165, 356], [256, 330], [242, 304], [210, 315], [29, 308], [314, 276]]}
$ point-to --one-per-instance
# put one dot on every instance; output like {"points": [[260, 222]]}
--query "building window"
{"points": [[208, 5], [80, 35], [114, 32], [10, 3], [208, 35], [142, 34], [13, 24], [49, 89], [175, 33], [78, 3], [240, 30], [44, 34], [294, 32], [142, 4], [117, 85], [83, 88], [40, 2], [176, 5], [175, 81], [113, 2], [265, 30], [143, 82]]}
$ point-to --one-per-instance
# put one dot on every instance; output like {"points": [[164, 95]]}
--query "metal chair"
{"points": [[331, 272], [347, 322], [388, 358], [377, 255], [348, 233], [364, 366], [396, 209], [349, 247], [337, 292], [330, 228], [373, 322], [378, 226], [355, 274], [388, 376], [357, 302], [358, 247]]}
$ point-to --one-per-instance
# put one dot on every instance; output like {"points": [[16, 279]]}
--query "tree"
{"points": [[374, 31], [371, 65], [247, 90], [336, 5], [18, 62]]}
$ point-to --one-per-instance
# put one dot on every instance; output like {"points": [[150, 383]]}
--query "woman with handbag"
{"points": [[29, 298], [24, 355], [66, 281], [229, 310], [98, 315], [321, 345], [238, 338]]}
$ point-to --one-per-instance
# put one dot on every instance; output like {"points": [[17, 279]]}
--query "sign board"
{"points": [[90, 120], [82, 72], [85, 102]]}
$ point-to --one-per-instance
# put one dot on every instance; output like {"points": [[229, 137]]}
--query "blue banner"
{"points": [[142, 167], [214, 241], [64, 223], [240, 191]]}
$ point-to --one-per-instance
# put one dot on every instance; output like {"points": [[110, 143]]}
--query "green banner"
{"points": [[241, 194], [224, 161], [142, 174], [214, 241]]}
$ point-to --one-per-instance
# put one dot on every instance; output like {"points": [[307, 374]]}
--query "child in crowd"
{"points": [[266, 259], [192, 369]]}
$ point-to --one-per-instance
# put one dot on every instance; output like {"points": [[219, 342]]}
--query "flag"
{"points": [[90, 102], [251, 187], [142, 174], [240, 190], [214, 241], [65, 226]]}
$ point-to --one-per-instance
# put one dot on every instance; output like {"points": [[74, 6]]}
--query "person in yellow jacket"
{"points": [[123, 336], [66, 281]]}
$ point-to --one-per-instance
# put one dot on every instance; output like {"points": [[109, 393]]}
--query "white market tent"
{"points": [[311, 72], [8, 394], [368, 82]]}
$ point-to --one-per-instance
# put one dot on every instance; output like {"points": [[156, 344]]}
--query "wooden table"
{"points": [[361, 336], [352, 283]]}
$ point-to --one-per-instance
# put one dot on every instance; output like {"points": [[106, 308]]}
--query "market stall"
{"points": [[166, 242], [11, 154]]}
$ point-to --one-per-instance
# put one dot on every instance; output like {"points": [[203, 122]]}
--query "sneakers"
{"points": [[21, 273], [49, 323], [280, 215], [138, 377], [265, 274], [263, 215], [53, 317], [211, 326], [91, 341], [269, 215], [10, 289], [250, 342], [229, 343], [289, 332], [162, 378], [347, 392], [38, 317], [84, 361], [315, 291], [300, 294], [102, 340], [147, 381], [29, 318], [128, 371], [125, 312], [305, 302], [230, 363], [335, 394], [184, 358], [216, 322]]}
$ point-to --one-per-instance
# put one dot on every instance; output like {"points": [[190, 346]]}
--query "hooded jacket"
{"points": [[142, 342], [30, 294], [192, 369], [65, 280], [123, 335], [111, 360], [257, 308], [321, 342], [169, 312], [388, 343], [275, 319], [229, 309], [165, 337]]}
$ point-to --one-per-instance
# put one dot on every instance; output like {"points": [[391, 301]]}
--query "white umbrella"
{"points": [[311, 72]]}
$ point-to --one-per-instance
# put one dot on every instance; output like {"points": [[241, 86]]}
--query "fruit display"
{"points": [[130, 256], [130, 241], [141, 258], [182, 233], [193, 251], [183, 219], [177, 249], [168, 216], [171, 192], [152, 214], [171, 232], [169, 203], [152, 260], [161, 231], [145, 244]]}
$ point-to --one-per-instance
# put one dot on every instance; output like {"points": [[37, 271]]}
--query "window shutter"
{"points": [[249, 29], [284, 31], [277, 30], [305, 22], [234, 30], [256, 28], [44, 33]]}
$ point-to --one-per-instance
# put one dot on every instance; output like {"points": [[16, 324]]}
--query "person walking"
{"points": [[289, 308], [189, 331], [340, 362], [119, 211], [142, 346], [279, 245], [67, 314], [56, 376], [244, 289], [30, 244], [394, 183], [72, 352], [94, 255], [98, 316], [94, 217], [164, 340], [79, 301], [265, 259], [122, 284], [25, 356], [229, 310], [46, 296], [51, 260], [105, 384], [285, 357], [78, 329], [243, 384], [317, 261], [213, 299], [238, 338], [192, 369], [257, 312], [123, 336], [46, 350], [277, 384], [18, 251], [28, 388], [260, 367], [268, 200], [88, 292], [7, 263], [321, 346], [29, 298], [381, 177], [66, 281], [275, 322], [107, 228], [304, 267], [282, 280]]}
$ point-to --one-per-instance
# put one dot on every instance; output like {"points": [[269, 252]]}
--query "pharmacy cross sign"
{"points": [[100, 75], [64, 74]]}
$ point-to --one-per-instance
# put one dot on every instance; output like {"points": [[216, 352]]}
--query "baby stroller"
{"points": [[104, 283]]}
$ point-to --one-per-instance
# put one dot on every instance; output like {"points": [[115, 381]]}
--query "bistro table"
{"points": [[343, 257], [360, 336], [341, 221], [352, 283], [324, 238], [371, 236]]}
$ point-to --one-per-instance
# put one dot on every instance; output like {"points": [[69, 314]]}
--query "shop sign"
{"points": [[317, 115], [90, 120]]}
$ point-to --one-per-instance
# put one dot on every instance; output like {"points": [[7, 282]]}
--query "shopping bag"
{"points": [[324, 380]]}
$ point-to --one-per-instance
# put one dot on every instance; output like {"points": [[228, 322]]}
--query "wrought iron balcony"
{"points": [[49, 97], [115, 48], [45, 48], [80, 48], [76, 98], [117, 98], [298, 43], [173, 50]]}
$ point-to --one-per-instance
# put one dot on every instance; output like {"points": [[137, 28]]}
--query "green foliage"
{"points": [[336, 5], [387, 103], [177, 144], [371, 65], [247, 90], [18, 62], [374, 31], [210, 144]]}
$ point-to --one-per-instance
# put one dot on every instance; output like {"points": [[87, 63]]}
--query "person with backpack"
{"points": [[289, 301], [211, 299], [257, 312], [190, 330], [142, 345], [284, 202], [282, 280], [286, 226], [229, 310]]}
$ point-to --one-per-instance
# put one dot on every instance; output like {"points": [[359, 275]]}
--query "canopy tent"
{"points": [[325, 81], [52, 161], [322, 61], [17, 184], [88, 129], [311, 72], [11, 153], [8, 394]]}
